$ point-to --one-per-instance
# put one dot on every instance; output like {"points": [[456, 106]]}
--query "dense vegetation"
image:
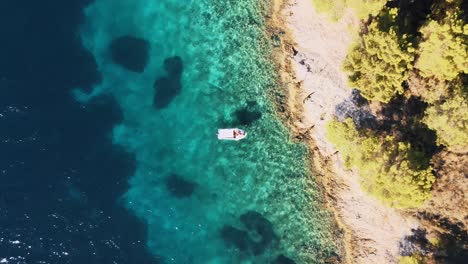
{"points": [[410, 260], [379, 63], [386, 170], [449, 118], [428, 61], [443, 57], [443, 50], [407, 52], [362, 8]]}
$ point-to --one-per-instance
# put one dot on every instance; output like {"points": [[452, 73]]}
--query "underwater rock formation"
{"points": [[168, 87], [246, 117], [179, 187], [256, 239], [236, 237], [174, 66], [282, 259], [248, 114], [255, 222], [130, 52], [165, 90]]}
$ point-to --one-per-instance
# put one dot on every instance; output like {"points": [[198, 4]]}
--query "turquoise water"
{"points": [[204, 200]]}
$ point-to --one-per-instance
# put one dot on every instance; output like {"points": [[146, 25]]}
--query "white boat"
{"points": [[231, 134]]}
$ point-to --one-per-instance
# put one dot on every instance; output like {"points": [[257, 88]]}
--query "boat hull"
{"points": [[228, 134]]}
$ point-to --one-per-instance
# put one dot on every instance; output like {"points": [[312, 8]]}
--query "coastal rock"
{"points": [[416, 242], [168, 87], [313, 64], [361, 115], [130, 52], [276, 40], [179, 187], [358, 99]]}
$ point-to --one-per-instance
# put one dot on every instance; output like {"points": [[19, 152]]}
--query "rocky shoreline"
{"points": [[309, 61]]}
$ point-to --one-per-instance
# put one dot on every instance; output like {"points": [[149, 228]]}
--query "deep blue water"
{"points": [[60, 175], [122, 164]]}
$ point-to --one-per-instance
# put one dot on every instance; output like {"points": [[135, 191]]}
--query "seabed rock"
{"points": [[248, 114], [130, 52], [168, 87], [236, 237], [256, 223], [256, 239], [282, 259], [179, 187]]}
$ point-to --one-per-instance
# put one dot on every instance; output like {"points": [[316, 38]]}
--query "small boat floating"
{"points": [[231, 134]]}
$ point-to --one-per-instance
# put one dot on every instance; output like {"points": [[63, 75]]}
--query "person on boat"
{"points": [[237, 133]]}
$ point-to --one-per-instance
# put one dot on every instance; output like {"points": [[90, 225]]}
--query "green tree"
{"points": [[443, 53], [379, 63], [443, 58], [431, 90], [383, 165], [415, 259], [362, 8], [450, 121]]}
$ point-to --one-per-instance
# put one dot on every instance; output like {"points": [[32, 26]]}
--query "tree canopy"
{"points": [[443, 53], [362, 8], [415, 259], [379, 63], [383, 164], [450, 121], [442, 60]]}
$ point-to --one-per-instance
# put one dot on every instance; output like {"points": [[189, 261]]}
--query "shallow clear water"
{"points": [[191, 189]]}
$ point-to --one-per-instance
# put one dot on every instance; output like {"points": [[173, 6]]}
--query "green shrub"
{"points": [[415, 259], [443, 53], [362, 8], [442, 58], [383, 165], [379, 63], [450, 121]]}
